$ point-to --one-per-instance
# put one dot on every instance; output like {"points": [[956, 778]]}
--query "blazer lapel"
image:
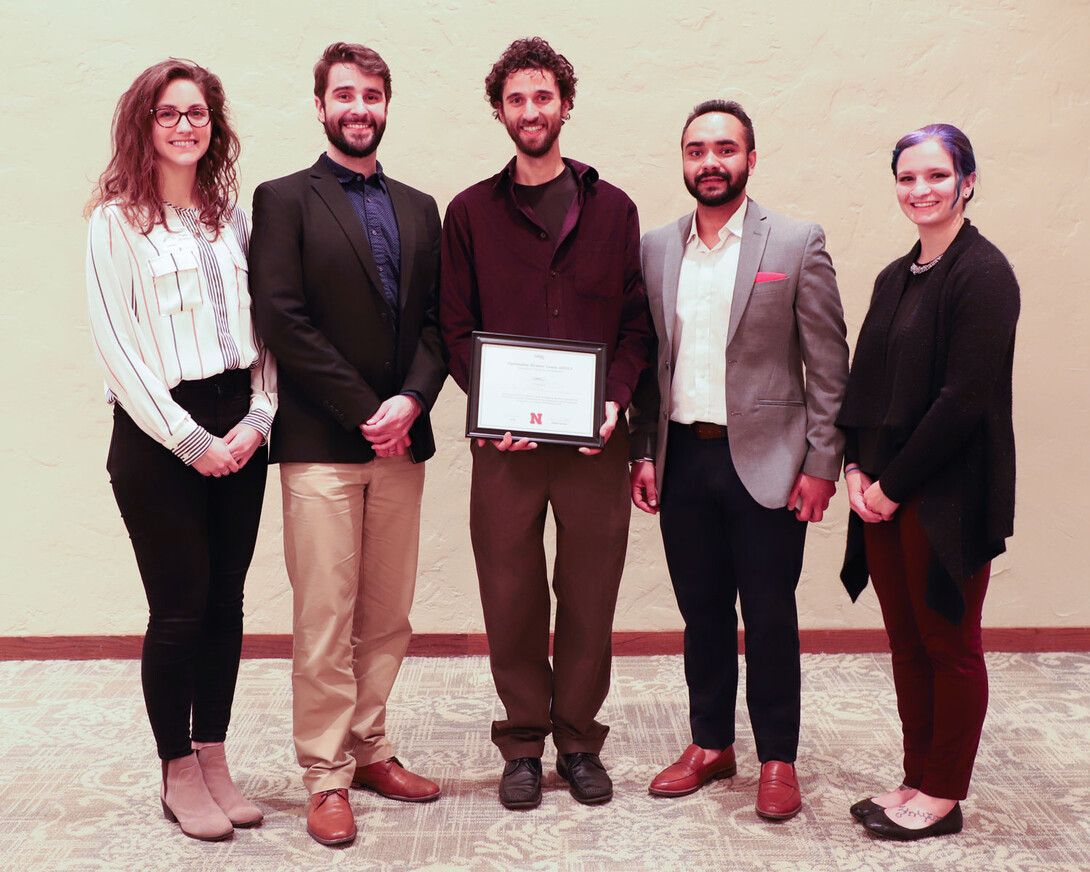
{"points": [[754, 239], [671, 274], [327, 188]]}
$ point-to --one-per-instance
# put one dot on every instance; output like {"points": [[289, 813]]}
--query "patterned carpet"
{"points": [[78, 778]]}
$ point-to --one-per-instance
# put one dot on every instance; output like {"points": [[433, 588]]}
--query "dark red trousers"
{"points": [[938, 666]]}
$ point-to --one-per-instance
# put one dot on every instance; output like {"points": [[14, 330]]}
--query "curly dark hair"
{"points": [[532, 53], [131, 178]]}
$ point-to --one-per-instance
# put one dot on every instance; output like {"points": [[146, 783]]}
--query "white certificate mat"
{"points": [[546, 390]]}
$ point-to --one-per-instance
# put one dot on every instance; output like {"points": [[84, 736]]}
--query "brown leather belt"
{"points": [[704, 430]]}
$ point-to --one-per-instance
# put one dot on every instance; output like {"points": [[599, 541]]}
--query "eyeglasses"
{"points": [[168, 116]]}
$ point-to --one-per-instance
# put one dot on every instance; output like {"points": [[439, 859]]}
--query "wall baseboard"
{"points": [[625, 642]]}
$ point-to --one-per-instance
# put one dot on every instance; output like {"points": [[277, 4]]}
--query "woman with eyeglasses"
{"points": [[929, 465], [193, 394]]}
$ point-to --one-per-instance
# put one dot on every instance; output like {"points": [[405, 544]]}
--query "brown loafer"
{"points": [[330, 819], [390, 779], [778, 795], [690, 773]]}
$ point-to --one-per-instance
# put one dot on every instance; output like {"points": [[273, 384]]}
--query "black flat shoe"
{"points": [[587, 776], [864, 808], [880, 824], [520, 784]]}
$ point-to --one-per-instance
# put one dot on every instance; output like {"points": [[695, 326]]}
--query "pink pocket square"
{"points": [[770, 277]]}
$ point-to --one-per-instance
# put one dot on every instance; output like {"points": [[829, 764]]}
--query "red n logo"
{"points": [[535, 417]]}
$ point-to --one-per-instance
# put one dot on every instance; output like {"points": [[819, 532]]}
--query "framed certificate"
{"points": [[547, 390]]}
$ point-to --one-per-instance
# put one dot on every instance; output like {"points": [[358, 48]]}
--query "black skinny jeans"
{"points": [[194, 538]]}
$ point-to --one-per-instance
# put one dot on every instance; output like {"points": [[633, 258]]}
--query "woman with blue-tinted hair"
{"points": [[929, 466]]}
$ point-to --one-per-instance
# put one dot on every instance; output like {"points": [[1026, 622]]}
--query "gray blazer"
{"points": [[785, 354]]}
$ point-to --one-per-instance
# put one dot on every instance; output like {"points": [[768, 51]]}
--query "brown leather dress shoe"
{"points": [[390, 779], [330, 819], [690, 773], [778, 796]]}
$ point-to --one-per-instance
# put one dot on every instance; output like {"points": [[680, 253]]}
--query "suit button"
{"points": [[387, 366], [735, 413], [731, 362], [552, 273], [544, 235], [556, 313]]}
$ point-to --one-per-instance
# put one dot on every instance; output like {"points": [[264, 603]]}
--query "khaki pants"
{"points": [[351, 536]]}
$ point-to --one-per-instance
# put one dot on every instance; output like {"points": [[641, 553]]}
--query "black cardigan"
{"points": [[945, 402]]}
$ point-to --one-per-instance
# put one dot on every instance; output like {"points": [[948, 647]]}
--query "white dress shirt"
{"points": [[170, 306], [705, 290]]}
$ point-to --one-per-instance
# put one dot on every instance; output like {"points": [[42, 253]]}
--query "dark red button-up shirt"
{"points": [[503, 273]]}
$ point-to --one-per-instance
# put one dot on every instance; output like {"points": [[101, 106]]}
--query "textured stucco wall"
{"points": [[830, 87]]}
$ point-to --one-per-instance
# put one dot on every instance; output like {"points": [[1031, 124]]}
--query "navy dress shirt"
{"points": [[371, 202]]}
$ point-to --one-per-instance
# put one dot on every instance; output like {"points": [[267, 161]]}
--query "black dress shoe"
{"points": [[587, 776], [520, 784], [880, 824], [864, 808]]}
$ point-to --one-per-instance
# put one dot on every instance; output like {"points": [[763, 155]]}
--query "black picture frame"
{"points": [[538, 353]]}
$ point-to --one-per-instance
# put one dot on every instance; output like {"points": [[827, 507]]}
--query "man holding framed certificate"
{"points": [[546, 255]]}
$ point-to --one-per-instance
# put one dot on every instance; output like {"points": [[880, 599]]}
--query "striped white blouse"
{"points": [[173, 306]]}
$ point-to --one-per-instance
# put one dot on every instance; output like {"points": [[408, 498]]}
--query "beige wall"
{"points": [[830, 87]]}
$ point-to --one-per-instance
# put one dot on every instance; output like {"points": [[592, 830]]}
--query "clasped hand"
{"points": [[388, 429], [230, 453], [867, 498]]}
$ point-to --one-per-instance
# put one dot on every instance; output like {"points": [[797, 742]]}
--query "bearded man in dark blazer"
{"points": [[344, 264]]}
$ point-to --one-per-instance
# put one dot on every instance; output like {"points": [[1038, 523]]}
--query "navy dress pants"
{"points": [[722, 546]]}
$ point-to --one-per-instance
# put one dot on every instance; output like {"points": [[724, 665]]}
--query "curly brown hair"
{"points": [[131, 178], [532, 53]]}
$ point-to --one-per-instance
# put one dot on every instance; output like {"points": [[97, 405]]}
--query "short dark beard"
{"points": [[735, 188], [338, 140], [541, 150]]}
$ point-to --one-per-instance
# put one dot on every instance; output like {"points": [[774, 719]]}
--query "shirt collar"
{"points": [[585, 175], [346, 176], [733, 227]]}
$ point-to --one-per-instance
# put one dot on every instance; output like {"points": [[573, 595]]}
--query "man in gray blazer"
{"points": [[734, 445]]}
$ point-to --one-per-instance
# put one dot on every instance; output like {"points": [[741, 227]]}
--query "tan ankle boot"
{"points": [[213, 762], [187, 802]]}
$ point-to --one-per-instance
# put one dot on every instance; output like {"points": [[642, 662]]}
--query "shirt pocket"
{"points": [[242, 277], [598, 272], [177, 282]]}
